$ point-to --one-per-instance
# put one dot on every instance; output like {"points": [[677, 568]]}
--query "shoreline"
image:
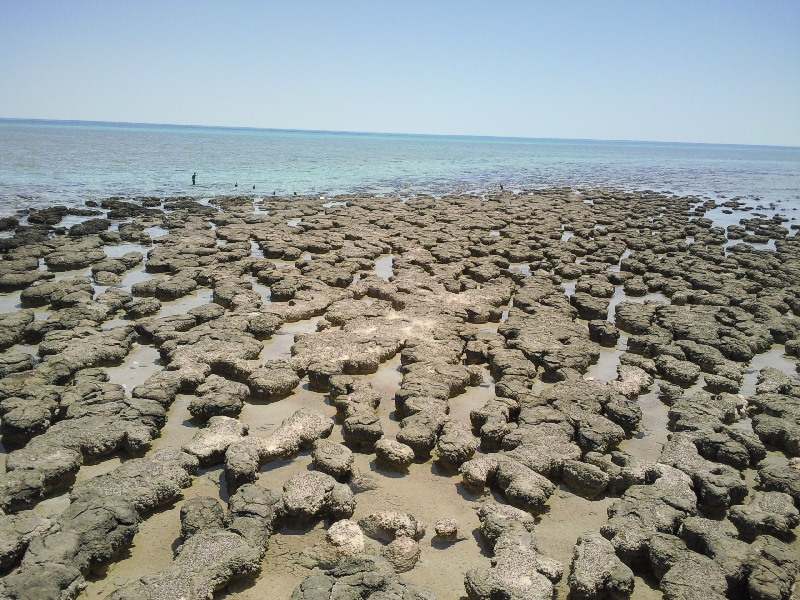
{"points": [[287, 386]]}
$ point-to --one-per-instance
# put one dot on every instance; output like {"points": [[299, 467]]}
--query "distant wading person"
{"points": [[194, 177]]}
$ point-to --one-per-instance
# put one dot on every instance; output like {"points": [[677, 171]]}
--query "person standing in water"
{"points": [[194, 176]]}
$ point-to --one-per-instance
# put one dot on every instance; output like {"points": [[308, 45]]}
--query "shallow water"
{"points": [[776, 358], [605, 369], [383, 267], [142, 362], [648, 442], [279, 346], [180, 306], [68, 162]]}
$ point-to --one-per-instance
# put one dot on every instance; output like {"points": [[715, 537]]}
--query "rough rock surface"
{"points": [[359, 577], [518, 571], [596, 572], [517, 334], [301, 430], [216, 548]]}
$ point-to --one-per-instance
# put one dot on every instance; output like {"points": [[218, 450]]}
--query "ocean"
{"points": [[67, 162]]}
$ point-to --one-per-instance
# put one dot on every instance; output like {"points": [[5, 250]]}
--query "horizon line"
{"points": [[385, 133]]}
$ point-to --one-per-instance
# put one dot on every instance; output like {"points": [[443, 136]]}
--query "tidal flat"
{"points": [[554, 393]]}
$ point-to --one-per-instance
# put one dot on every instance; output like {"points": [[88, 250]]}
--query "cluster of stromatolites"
{"points": [[521, 294]]}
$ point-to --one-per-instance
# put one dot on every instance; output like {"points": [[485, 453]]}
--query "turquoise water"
{"points": [[42, 162]]}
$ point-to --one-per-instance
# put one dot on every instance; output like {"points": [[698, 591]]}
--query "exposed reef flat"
{"points": [[534, 395]]}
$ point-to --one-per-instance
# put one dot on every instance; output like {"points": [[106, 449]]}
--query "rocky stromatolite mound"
{"points": [[515, 337], [596, 572], [359, 577], [518, 570]]}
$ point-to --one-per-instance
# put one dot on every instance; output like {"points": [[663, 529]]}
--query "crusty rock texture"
{"points": [[604, 363]]}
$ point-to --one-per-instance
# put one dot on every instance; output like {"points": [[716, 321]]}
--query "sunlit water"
{"points": [[43, 162]]}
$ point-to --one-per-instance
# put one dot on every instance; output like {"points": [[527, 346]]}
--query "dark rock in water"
{"points": [[12, 327], [521, 485], [704, 411], [30, 404], [645, 510], [718, 383], [48, 216], [633, 317], [623, 470], [718, 486], [89, 227], [142, 308], [218, 396], [589, 307], [144, 482], [773, 570], [205, 312], [730, 446], [456, 444], [766, 568], [8, 223], [101, 521], [10, 282], [691, 575], [15, 363], [175, 288], [209, 444], [273, 380], [677, 371], [75, 253], [144, 288], [635, 287], [778, 418], [362, 427], [199, 514]]}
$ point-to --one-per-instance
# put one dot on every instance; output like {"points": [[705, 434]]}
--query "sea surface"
{"points": [[46, 162]]}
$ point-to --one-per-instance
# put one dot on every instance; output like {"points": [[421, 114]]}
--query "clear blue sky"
{"points": [[691, 71]]}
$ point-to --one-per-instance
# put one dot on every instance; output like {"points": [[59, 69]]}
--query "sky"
{"points": [[684, 71]]}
